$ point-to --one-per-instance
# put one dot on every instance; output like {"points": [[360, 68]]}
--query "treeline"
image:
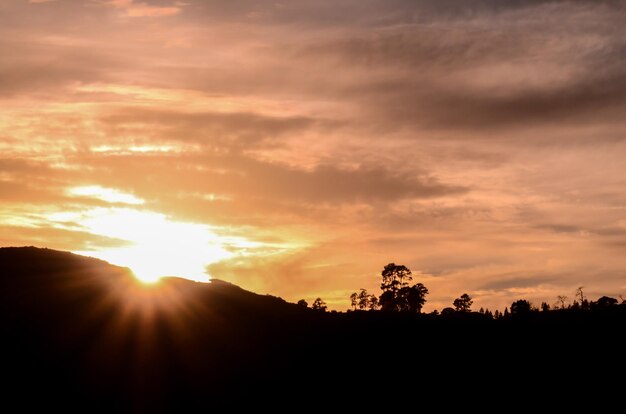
{"points": [[398, 295]]}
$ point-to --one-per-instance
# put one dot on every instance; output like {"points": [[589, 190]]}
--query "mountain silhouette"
{"points": [[78, 332]]}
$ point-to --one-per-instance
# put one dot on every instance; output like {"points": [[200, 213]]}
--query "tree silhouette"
{"points": [[580, 294], [545, 307], [363, 299], [561, 299], [319, 305], [463, 304], [397, 295], [412, 299], [303, 303], [372, 303], [520, 307], [605, 302], [353, 300], [395, 277]]}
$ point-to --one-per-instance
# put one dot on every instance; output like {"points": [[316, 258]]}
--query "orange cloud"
{"points": [[132, 9]]}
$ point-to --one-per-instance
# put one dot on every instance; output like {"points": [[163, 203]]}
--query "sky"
{"points": [[295, 148]]}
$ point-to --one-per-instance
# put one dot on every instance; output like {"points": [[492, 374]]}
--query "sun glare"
{"points": [[105, 194], [153, 245]]}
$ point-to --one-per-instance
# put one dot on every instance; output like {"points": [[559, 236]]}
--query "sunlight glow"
{"points": [[159, 246], [141, 149], [105, 194]]}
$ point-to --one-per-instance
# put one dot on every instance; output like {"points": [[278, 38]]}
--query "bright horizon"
{"points": [[296, 148]]}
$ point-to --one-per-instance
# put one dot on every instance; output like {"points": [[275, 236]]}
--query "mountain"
{"points": [[81, 334], [76, 327]]}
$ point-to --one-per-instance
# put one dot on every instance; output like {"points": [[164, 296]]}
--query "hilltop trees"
{"points": [[395, 277], [412, 299], [319, 305], [367, 301], [520, 307], [373, 303], [605, 302], [397, 294], [463, 304], [363, 300]]}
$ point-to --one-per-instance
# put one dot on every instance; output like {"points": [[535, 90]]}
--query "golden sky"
{"points": [[295, 148]]}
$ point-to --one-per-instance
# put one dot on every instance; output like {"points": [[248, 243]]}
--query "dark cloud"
{"points": [[583, 101], [327, 183], [560, 228], [363, 12], [569, 59], [590, 230], [505, 283], [246, 177], [212, 129], [36, 66], [421, 48]]}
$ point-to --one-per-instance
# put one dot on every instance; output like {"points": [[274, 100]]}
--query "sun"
{"points": [[151, 244], [156, 246]]}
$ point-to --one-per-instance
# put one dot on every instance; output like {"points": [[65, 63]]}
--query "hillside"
{"points": [[80, 331]]}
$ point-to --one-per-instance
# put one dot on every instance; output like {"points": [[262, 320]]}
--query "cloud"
{"points": [[505, 283], [63, 238], [242, 176], [133, 9], [210, 129]]}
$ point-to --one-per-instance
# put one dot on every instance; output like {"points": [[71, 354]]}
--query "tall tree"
{"points": [[303, 303], [520, 307], [353, 300], [395, 277], [363, 299], [372, 304], [319, 305], [412, 299], [580, 295], [463, 304], [397, 295], [561, 299]]}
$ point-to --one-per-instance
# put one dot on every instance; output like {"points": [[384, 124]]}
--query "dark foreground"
{"points": [[80, 334]]}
